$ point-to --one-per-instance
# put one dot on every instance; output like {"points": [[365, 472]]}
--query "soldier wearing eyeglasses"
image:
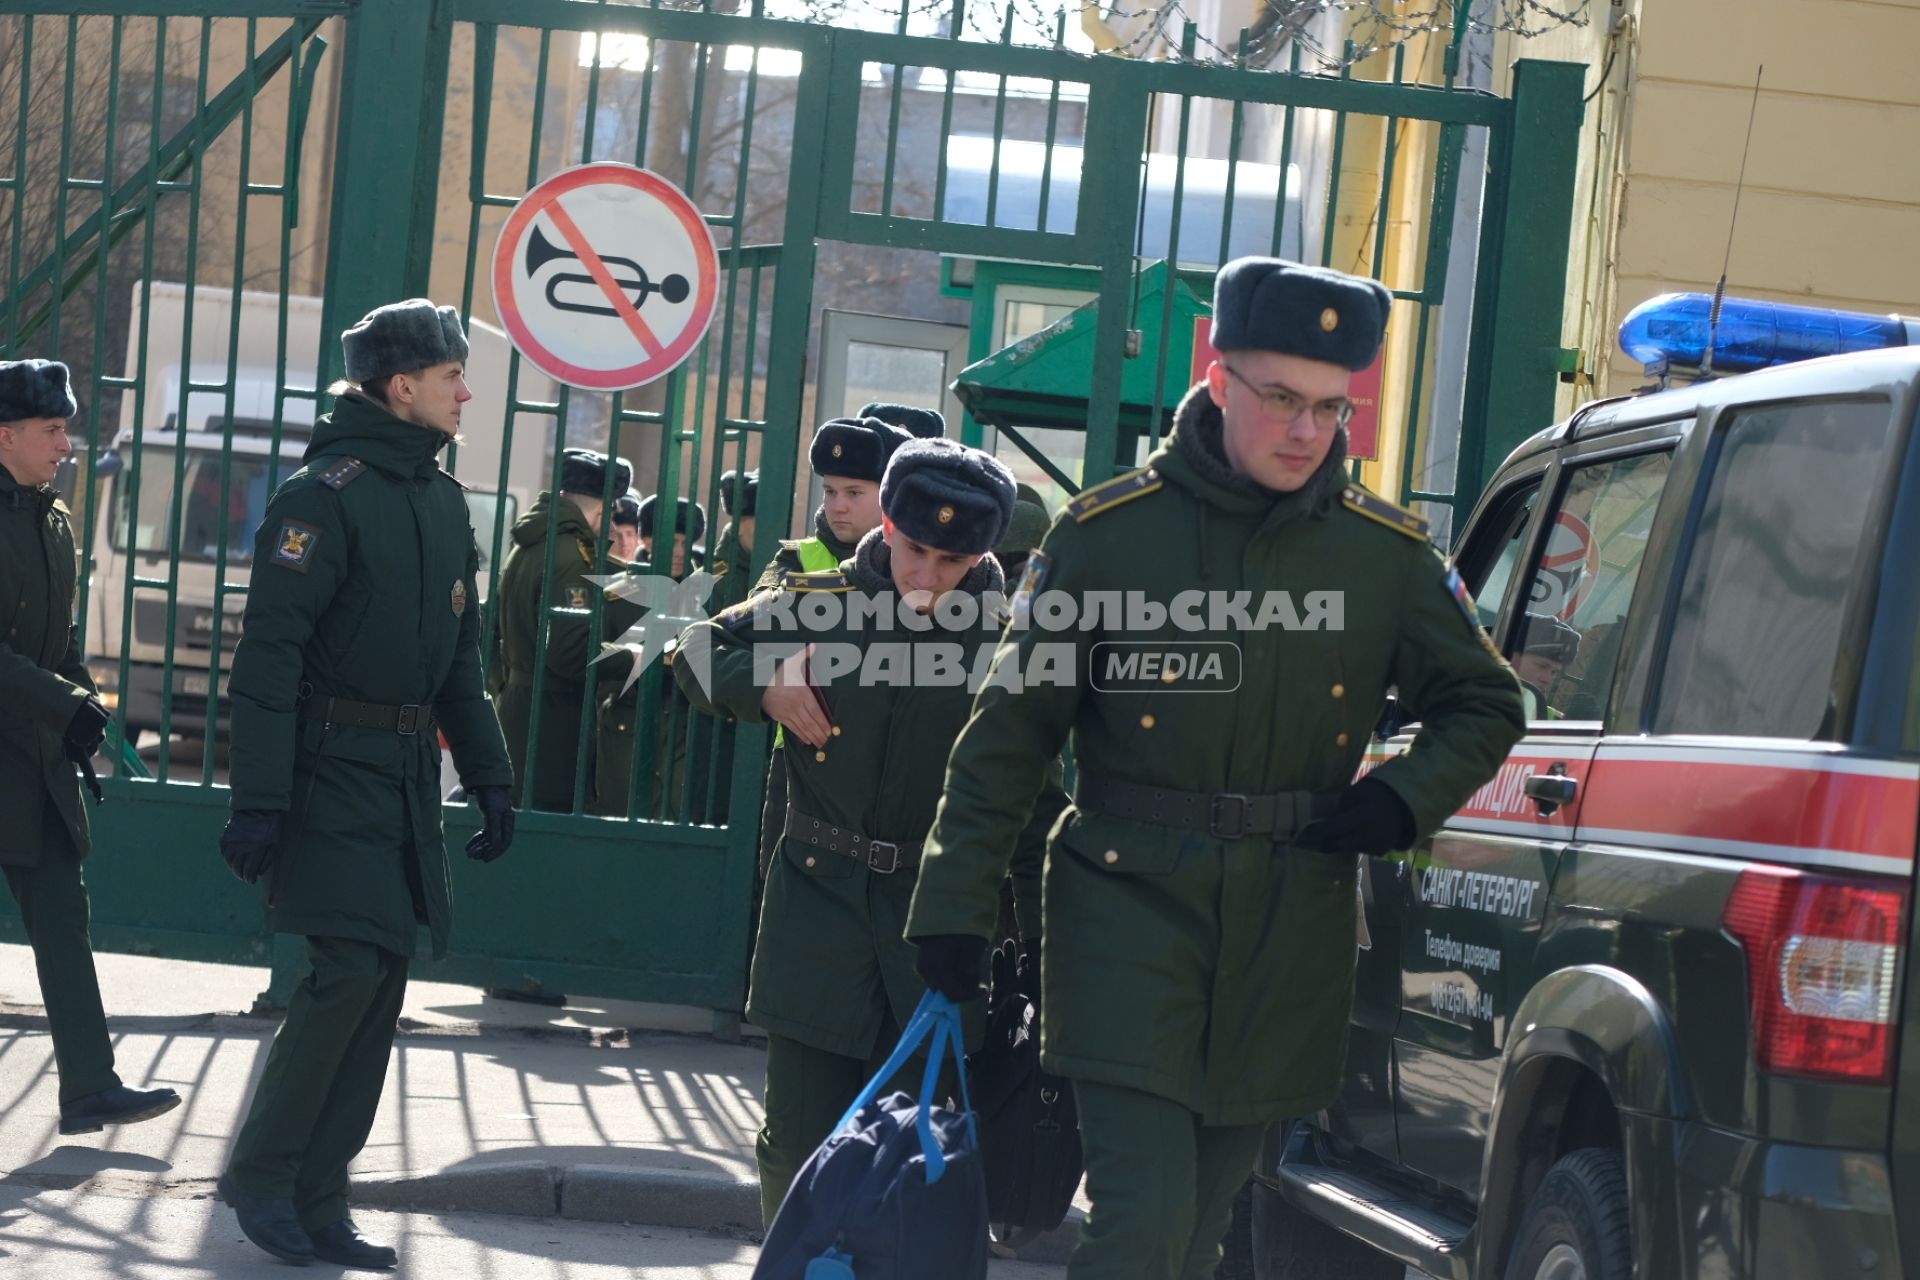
{"points": [[1199, 924]]}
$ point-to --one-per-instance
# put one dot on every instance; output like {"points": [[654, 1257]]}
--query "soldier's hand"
{"points": [[495, 835], [87, 730], [251, 839], [951, 963], [793, 701], [1371, 818]]}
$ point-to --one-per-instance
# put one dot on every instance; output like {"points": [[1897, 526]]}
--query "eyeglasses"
{"points": [[1284, 406]]}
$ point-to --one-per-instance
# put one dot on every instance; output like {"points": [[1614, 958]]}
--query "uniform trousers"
{"points": [[1162, 1185], [321, 1087], [53, 907]]}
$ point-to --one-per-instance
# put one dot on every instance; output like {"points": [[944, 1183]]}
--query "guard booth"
{"points": [[237, 168]]}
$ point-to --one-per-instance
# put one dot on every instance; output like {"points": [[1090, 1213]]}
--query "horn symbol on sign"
{"points": [[541, 251]]}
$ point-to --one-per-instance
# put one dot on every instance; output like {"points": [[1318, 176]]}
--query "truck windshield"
{"points": [[191, 514]]}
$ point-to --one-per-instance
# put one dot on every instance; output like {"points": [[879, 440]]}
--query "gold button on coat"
{"points": [[1112, 857], [1146, 721], [1340, 741], [1339, 691]]}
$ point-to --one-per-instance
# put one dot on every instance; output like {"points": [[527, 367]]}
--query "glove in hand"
{"points": [[952, 964], [250, 841], [1371, 818], [495, 835], [86, 731]]}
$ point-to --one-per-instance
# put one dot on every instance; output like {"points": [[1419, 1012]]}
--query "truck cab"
{"points": [[1642, 1007]]}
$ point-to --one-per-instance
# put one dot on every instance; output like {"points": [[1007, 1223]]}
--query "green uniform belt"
{"points": [[1225, 815], [405, 720], [883, 856]]}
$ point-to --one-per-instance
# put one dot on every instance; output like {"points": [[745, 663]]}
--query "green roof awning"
{"points": [[1045, 379]]}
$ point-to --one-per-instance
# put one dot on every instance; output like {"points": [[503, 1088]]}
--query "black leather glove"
{"points": [[495, 835], [250, 841], [951, 963], [1371, 818], [86, 731]]}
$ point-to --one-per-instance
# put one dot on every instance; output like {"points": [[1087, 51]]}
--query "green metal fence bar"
{"points": [[1325, 93], [182, 426], [18, 182], [217, 633], [1332, 216], [1385, 205], [92, 452], [1286, 161], [1172, 259], [946, 132], [999, 132], [1053, 130], [1109, 188], [1235, 135]]}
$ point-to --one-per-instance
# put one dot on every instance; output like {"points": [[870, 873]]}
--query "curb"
{"points": [[616, 1193]]}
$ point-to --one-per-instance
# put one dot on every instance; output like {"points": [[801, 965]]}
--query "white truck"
{"points": [[196, 491]]}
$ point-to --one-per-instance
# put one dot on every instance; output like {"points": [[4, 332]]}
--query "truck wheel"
{"points": [[1577, 1227], [1286, 1244]]}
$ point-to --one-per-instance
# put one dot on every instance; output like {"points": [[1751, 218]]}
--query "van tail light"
{"points": [[1823, 961]]}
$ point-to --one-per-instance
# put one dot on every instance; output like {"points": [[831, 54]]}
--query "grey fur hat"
{"points": [[584, 472], [1269, 304], [402, 337], [35, 389], [945, 495], [855, 448], [923, 424], [692, 520]]}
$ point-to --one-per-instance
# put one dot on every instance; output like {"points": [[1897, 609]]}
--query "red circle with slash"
{"points": [[605, 276]]}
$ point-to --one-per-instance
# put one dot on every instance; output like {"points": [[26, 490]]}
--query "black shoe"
{"points": [[341, 1244], [551, 999], [118, 1105], [270, 1223]]}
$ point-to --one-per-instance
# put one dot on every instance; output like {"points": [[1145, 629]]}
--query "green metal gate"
{"points": [[408, 130]]}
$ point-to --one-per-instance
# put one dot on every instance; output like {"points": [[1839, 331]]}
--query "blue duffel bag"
{"points": [[896, 1191]]}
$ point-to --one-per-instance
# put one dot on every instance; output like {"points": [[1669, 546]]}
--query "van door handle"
{"points": [[1550, 790]]}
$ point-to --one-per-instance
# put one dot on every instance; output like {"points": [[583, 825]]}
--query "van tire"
{"points": [[1579, 1222], [1281, 1243]]}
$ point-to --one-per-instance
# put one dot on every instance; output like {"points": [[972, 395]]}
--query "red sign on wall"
{"points": [[1363, 429]]}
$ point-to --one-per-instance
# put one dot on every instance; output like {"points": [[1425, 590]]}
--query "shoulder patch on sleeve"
{"points": [[586, 552], [1457, 588], [722, 569], [1032, 579], [821, 580], [1105, 497], [1374, 507], [293, 545], [343, 473]]}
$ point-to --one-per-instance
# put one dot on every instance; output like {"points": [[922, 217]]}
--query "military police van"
{"points": [[1644, 1007]]}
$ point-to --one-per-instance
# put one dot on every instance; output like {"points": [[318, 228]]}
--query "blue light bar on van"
{"points": [[1671, 331]]}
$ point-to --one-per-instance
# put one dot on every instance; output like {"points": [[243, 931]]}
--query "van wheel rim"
{"points": [[1563, 1262]]}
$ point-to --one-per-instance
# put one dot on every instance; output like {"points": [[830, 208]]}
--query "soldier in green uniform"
{"points": [[624, 531], [618, 712], [51, 723], [833, 978], [849, 455], [361, 640], [1200, 929], [690, 523], [733, 553], [571, 519]]}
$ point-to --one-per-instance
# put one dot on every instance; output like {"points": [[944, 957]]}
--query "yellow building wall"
{"points": [[1831, 207]]}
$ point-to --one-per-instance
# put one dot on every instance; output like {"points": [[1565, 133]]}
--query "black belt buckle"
{"points": [[893, 856], [408, 722], [1227, 803]]}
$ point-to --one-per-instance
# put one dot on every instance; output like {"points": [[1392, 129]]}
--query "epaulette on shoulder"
{"points": [[1105, 497], [343, 473], [820, 580], [458, 483], [1374, 507]]}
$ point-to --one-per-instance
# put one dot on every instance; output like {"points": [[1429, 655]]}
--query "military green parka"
{"points": [[363, 587]]}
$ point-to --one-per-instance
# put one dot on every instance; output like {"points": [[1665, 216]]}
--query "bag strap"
{"points": [[936, 1018]]}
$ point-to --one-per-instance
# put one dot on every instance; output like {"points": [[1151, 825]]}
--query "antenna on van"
{"points": [[1720, 290]]}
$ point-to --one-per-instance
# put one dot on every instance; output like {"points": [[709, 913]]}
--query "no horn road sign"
{"points": [[605, 276]]}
